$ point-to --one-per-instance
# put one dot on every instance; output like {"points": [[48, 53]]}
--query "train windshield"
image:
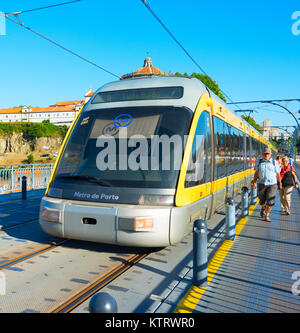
{"points": [[137, 147]]}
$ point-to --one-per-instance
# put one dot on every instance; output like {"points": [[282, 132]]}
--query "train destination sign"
{"points": [[138, 94]]}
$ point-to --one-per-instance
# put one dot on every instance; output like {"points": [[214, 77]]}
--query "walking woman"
{"points": [[288, 180]]}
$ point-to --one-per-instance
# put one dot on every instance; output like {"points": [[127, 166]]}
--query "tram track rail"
{"points": [[17, 260], [75, 300]]}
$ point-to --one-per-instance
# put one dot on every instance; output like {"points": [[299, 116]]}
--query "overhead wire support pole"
{"points": [[273, 102], [292, 150], [276, 104], [57, 44]]}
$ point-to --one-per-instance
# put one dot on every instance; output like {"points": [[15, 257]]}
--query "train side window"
{"points": [[231, 159], [228, 147], [255, 151], [249, 163], [222, 148], [242, 157], [247, 153], [235, 151], [198, 171], [260, 149], [208, 149]]}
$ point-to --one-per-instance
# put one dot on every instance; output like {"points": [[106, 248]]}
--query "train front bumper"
{"points": [[130, 225]]}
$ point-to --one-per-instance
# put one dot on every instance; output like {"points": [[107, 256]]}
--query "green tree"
{"points": [[30, 159], [205, 79], [252, 122], [34, 130], [274, 143]]}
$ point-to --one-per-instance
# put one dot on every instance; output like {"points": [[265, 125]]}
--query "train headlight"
{"points": [[150, 199], [51, 215]]}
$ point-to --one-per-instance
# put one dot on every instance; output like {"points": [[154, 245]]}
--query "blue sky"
{"points": [[247, 47]]}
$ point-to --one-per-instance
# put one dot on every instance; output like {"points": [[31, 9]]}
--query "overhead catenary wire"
{"points": [[267, 101], [260, 108], [59, 45], [174, 38], [45, 7], [181, 46]]}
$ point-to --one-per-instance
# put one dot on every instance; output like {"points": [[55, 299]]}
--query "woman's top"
{"points": [[287, 178]]}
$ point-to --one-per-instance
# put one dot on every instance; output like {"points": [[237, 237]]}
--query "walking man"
{"points": [[267, 172]]}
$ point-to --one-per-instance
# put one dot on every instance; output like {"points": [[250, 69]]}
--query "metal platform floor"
{"points": [[259, 272]]}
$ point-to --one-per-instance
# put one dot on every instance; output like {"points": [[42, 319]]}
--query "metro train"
{"points": [[145, 158]]}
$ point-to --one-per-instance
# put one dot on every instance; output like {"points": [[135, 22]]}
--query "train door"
{"points": [[222, 162]]}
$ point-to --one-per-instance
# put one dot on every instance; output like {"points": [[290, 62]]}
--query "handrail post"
{"points": [[245, 201], [230, 219], [24, 187], [253, 196], [200, 253], [32, 177], [12, 178]]}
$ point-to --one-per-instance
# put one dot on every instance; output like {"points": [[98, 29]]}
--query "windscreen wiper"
{"points": [[88, 178]]}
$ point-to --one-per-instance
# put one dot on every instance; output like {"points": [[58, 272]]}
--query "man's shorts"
{"points": [[266, 194]]}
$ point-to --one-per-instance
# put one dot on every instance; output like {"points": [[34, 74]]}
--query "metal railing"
{"points": [[38, 176]]}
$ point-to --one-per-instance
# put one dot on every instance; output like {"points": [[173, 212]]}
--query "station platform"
{"points": [[17, 196], [14, 210], [259, 272]]}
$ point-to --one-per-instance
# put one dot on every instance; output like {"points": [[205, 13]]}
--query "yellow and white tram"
{"points": [[144, 158]]}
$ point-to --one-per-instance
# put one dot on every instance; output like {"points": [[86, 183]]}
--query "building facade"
{"points": [[272, 133], [269, 132], [61, 113]]}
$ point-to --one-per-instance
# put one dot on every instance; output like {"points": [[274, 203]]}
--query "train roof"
{"points": [[193, 90]]}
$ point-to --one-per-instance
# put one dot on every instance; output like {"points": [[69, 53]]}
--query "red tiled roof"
{"points": [[53, 109], [38, 109], [11, 110], [148, 69], [64, 103]]}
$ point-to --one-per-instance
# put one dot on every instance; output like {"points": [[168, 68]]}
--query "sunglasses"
{"points": [[266, 153]]}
